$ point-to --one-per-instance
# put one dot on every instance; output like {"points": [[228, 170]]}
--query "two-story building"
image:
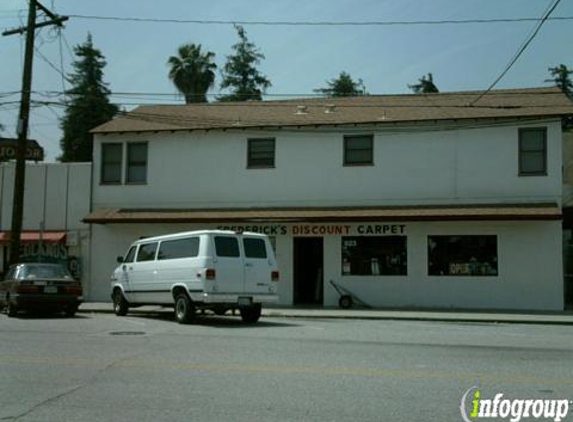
{"points": [[432, 200]]}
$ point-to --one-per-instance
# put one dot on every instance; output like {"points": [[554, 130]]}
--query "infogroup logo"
{"points": [[474, 407]]}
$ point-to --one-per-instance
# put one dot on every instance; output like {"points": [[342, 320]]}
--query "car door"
{"points": [[143, 273], [125, 274], [258, 264], [229, 265]]}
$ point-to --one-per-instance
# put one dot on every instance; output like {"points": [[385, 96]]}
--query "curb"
{"points": [[274, 314]]}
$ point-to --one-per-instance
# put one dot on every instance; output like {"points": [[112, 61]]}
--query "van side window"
{"points": [[180, 248], [255, 248], [146, 252], [130, 254], [226, 246]]}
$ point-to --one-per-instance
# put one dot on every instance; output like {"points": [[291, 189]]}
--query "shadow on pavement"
{"points": [[214, 321], [35, 315]]}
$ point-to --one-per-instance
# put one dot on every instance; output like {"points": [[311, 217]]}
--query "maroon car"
{"points": [[39, 286]]}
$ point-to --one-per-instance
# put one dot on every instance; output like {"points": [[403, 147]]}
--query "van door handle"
{"points": [[248, 264]]}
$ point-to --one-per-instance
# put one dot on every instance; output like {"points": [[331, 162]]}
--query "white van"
{"points": [[211, 269]]}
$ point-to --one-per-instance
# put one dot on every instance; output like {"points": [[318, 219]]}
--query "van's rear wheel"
{"points": [[184, 309], [120, 305], [251, 314]]}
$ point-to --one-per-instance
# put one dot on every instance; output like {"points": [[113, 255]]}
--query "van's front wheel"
{"points": [[251, 314], [184, 309], [120, 305]]}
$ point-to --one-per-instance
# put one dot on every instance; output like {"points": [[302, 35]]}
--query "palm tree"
{"points": [[192, 72]]}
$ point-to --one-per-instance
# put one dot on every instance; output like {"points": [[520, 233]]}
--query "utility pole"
{"points": [[24, 117]]}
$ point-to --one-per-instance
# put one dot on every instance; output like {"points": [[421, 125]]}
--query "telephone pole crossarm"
{"points": [[58, 20]]}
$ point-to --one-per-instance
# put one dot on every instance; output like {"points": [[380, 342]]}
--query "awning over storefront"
{"points": [[34, 237], [413, 213]]}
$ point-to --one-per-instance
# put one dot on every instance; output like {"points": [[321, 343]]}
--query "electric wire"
{"points": [[313, 23], [520, 51]]}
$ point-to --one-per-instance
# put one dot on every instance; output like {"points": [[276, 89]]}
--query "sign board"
{"points": [[9, 150]]}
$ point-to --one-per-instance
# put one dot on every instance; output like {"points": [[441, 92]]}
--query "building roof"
{"points": [[289, 215], [35, 237], [364, 110]]}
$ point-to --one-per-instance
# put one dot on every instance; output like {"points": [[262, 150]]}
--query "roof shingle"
{"points": [[364, 110]]}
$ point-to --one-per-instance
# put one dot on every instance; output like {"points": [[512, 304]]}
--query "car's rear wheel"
{"points": [[70, 310], [11, 309], [251, 314], [120, 305], [184, 309]]}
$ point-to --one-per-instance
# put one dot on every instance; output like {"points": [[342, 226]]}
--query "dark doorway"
{"points": [[308, 270]]}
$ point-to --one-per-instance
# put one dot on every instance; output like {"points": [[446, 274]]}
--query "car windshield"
{"points": [[44, 271]]}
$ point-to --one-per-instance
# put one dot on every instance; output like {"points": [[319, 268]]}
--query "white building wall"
{"points": [[57, 194], [522, 283], [412, 166], [208, 169]]}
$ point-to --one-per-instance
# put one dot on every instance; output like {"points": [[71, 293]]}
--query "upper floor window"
{"points": [[261, 153], [358, 150], [136, 171], [533, 152], [111, 161]]}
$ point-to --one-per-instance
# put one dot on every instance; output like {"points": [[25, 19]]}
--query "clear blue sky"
{"points": [[298, 58]]}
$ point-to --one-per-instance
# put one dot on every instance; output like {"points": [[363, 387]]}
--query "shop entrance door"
{"points": [[308, 270]]}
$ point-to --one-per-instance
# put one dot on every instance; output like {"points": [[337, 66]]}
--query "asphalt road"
{"points": [[99, 367]]}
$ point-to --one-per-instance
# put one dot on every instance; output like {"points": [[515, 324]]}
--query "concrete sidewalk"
{"points": [[552, 318]]}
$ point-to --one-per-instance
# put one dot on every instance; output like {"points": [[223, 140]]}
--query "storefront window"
{"points": [[374, 255], [462, 255]]}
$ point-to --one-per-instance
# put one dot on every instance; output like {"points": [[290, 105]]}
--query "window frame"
{"points": [[247, 249], [251, 141], [464, 276], [520, 151], [128, 164], [395, 241], [345, 161], [125, 258], [142, 246], [103, 163], [237, 243], [191, 239]]}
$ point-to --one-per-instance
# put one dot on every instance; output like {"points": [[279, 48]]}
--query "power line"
{"points": [[49, 63], [61, 60], [520, 51], [289, 97], [316, 23]]}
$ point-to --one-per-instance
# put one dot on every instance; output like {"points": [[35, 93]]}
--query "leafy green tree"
{"points": [[192, 72], [425, 85], [240, 74], [343, 86], [560, 76], [88, 106]]}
